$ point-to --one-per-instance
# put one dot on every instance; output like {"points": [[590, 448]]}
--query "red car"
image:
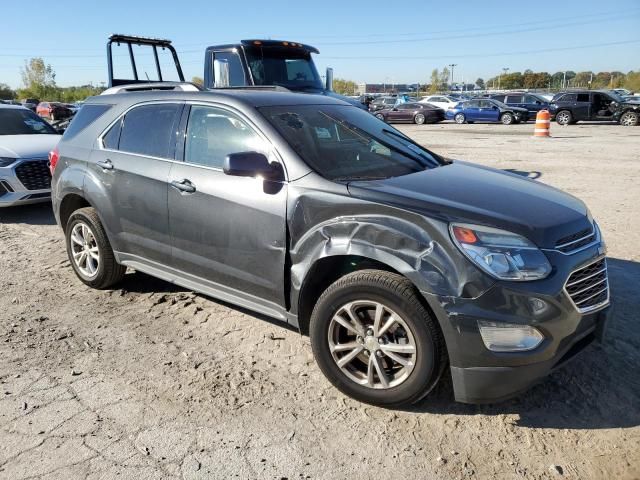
{"points": [[53, 111], [418, 113]]}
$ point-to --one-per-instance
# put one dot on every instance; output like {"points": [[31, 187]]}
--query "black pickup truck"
{"points": [[256, 63]]}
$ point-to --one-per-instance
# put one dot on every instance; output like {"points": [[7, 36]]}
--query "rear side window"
{"points": [[87, 114], [148, 130], [569, 97], [112, 137], [514, 99], [583, 97]]}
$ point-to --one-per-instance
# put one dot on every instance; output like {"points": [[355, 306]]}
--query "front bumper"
{"points": [[482, 376], [14, 192]]}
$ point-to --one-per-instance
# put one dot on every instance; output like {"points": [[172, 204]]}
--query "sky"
{"points": [[362, 42]]}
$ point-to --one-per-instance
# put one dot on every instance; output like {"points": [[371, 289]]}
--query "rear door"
{"points": [[226, 230], [133, 166], [582, 107], [472, 110]]}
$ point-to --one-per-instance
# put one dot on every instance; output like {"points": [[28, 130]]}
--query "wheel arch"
{"points": [[69, 204]]}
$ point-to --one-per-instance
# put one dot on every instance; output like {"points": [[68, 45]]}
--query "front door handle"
{"points": [[184, 185], [105, 165]]}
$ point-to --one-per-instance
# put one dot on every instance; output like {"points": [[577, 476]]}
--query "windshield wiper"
{"points": [[352, 178], [415, 147]]}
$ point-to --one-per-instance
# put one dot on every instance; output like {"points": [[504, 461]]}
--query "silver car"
{"points": [[25, 143]]}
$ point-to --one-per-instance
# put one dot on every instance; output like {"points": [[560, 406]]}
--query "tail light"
{"points": [[54, 156]]}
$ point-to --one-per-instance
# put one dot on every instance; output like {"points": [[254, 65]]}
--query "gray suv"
{"points": [[401, 265]]}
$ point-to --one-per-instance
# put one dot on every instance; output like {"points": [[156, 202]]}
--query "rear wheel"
{"points": [[418, 119], [459, 118], [375, 341], [89, 250], [564, 117], [507, 118], [629, 119]]}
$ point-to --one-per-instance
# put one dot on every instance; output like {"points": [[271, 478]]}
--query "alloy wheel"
{"points": [[629, 119], [371, 344], [84, 248], [563, 118], [459, 118], [419, 119]]}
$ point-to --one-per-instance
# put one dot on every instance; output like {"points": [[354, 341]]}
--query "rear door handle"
{"points": [[184, 185], [105, 165]]}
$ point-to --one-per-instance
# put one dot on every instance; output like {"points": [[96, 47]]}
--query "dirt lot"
{"points": [[152, 381]]}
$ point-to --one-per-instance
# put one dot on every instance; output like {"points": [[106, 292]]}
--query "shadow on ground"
{"points": [[34, 214]]}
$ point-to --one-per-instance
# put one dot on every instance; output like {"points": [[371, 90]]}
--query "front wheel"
{"points": [[375, 341], [507, 119], [629, 119], [89, 250], [379, 116], [459, 118], [418, 119], [564, 117]]}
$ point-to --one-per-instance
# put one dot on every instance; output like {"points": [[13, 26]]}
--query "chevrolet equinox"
{"points": [[399, 264]]}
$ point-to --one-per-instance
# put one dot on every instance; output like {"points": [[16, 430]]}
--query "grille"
{"points": [[573, 242], [34, 175], [589, 286]]}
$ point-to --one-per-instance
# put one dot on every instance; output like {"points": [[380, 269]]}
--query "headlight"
{"points": [[503, 255], [509, 337], [6, 161]]}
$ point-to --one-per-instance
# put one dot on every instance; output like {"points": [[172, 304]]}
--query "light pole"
{"points": [[505, 70], [452, 65]]}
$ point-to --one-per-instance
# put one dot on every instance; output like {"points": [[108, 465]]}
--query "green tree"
{"points": [[480, 84], [39, 79], [197, 81], [6, 92], [344, 87], [632, 81], [435, 80], [444, 79]]}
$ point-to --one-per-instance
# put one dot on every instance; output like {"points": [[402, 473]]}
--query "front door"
{"points": [[489, 112], [132, 166], [228, 231]]}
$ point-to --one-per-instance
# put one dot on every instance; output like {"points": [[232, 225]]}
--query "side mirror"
{"points": [[329, 79], [251, 164], [221, 74], [494, 107]]}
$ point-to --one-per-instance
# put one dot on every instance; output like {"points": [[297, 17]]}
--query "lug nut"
{"points": [[369, 333], [382, 340], [359, 339], [379, 353]]}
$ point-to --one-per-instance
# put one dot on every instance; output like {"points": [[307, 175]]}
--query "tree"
{"points": [[632, 81], [6, 93], [38, 78], [344, 87], [197, 81], [444, 79], [435, 79], [480, 84]]}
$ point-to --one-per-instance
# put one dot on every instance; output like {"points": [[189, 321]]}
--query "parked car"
{"points": [[381, 103], [397, 262], [532, 102], [25, 142], [594, 105], [30, 103], [54, 111], [414, 112], [441, 101], [486, 110]]}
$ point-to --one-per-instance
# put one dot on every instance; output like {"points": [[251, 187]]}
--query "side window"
{"points": [[485, 104], [111, 139], [236, 72], [213, 133], [569, 97], [86, 116], [514, 99], [583, 97], [531, 99], [148, 130]]}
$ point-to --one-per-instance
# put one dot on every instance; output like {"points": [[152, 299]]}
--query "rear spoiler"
{"points": [[130, 40]]}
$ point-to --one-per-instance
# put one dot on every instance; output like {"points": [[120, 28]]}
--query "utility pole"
{"points": [[564, 80], [452, 65], [505, 70]]}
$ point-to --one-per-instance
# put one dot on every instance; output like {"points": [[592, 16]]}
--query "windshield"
{"points": [[19, 121], [616, 96], [345, 143], [285, 67]]}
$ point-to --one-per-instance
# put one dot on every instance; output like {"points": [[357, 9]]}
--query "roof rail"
{"points": [[153, 86], [276, 88]]}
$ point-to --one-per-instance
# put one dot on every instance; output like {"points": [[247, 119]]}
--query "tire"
{"points": [[379, 116], [564, 117], [363, 292], [629, 119], [507, 118], [84, 226], [418, 119], [459, 118]]}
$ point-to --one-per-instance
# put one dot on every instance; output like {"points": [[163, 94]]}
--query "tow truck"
{"points": [[269, 64]]}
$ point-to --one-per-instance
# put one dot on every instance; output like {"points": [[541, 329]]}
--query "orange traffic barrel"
{"points": [[543, 122]]}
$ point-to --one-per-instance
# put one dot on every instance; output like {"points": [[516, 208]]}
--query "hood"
{"points": [[28, 146], [465, 192]]}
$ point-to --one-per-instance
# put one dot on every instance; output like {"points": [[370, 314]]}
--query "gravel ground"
{"points": [[152, 381]]}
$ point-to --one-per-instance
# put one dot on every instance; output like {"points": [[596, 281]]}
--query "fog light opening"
{"points": [[509, 337]]}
